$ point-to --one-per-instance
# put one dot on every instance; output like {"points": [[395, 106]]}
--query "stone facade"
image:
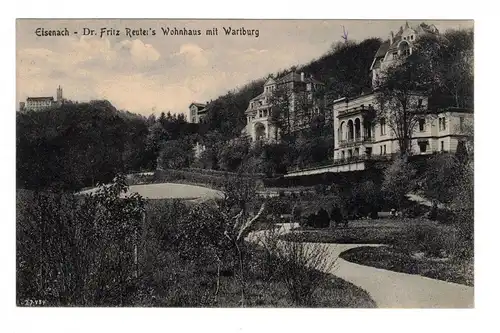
{"points": [[296, 87], [398, 46], [357, 137]]}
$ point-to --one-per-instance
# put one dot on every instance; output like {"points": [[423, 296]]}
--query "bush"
{"points": [[445, 216], [415, 210], [78, 251], [434, 241], [399, 179], [442, 215], [300, 267]]}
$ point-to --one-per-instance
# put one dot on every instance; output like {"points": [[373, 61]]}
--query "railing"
{"points": [[363, 158], [347, 160], [352, 111], [351, 142]]}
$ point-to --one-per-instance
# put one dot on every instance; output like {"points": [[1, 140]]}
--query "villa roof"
{"points": [[425, 28], [270, 81], [290, 77], [200, 105], [382, 50], [387, 46], [313, 80], [258, 96], [296, 77], [262, 94]]}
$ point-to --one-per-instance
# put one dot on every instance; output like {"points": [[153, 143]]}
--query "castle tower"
{"points": [[59, 94]]}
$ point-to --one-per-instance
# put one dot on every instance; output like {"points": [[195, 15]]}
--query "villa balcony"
{"points": [[352, 111], [354, 142], [368, 139]]}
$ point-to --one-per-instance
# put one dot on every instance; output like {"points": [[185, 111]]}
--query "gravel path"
{"points": [[392, 289]]}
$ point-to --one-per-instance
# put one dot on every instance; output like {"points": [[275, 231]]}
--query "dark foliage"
{"points": [[78, 145], [78, 251]]}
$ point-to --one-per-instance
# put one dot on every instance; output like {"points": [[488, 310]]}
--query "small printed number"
{"points": [[34, 302]]}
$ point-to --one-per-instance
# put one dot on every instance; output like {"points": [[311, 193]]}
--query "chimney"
{"points": [[302, 76], [391, 37]]}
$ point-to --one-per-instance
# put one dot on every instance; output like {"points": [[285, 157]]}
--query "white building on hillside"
{"points": [[297, 86], [398, 46], [197, 111], [357, 137]]}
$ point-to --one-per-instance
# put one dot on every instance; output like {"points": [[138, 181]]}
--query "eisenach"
{"points": [[59, 32]]}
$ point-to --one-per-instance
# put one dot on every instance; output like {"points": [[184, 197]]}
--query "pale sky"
{"points": [[146, 74]]}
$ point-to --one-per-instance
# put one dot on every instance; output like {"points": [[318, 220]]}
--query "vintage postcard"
{"points": [[245, 163]]}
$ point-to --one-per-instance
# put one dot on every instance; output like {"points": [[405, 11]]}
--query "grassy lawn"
{"points": [[415, 246], [158, 191], [390, 258]]}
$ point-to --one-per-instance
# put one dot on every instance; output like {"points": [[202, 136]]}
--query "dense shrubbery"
{"points": [[78, 251]]}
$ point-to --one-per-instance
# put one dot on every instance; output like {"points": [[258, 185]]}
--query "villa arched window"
{"points": [[404, 49]]}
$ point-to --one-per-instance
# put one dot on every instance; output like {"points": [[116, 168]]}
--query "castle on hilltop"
{"points": [[42, 103]]}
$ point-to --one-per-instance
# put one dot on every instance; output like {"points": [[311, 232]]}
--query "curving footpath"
{"points": [[392, 289]]}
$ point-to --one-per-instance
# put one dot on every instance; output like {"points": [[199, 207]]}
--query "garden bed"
{"points": [[380, 231], [390, 258]]}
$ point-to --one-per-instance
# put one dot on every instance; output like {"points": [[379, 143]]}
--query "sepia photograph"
{"points": [[244, 163]]}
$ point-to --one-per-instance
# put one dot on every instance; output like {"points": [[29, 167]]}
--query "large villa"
{"points": [[357, 137]]}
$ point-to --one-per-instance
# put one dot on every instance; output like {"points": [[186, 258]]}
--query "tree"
{"points": [[275, 158], [211, 230], [175, 154], [281, 115], [233, 153], [400, 94], [365, 198], [463, 198], [449, 65], [398, 180], [440, 178]]}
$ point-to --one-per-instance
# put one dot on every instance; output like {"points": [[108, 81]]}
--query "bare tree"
{"points": [[239, 193], [300, 266], [400, 96]]}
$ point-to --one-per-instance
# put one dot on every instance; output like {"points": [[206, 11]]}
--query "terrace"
{"points": [[354, 163]]}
